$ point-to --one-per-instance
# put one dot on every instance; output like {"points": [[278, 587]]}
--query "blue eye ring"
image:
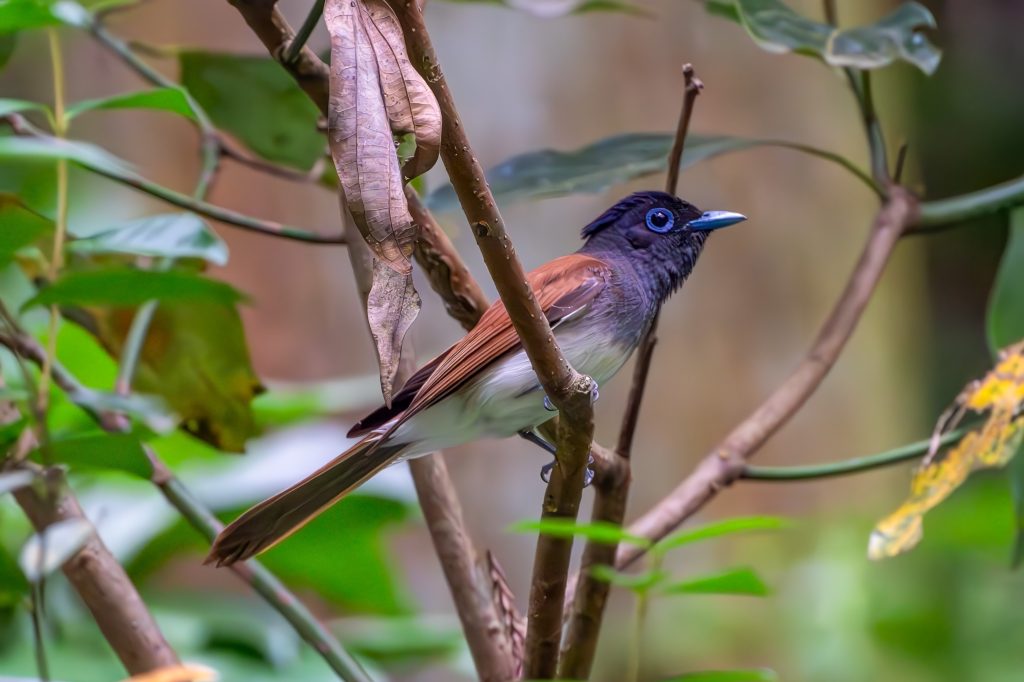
{"points": [[660, 220]]}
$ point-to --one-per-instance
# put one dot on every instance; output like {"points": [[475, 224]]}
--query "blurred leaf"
{"points": [[120, 286], [603, 164], [52, 149], [15, 480], [550, 9], [195, 356], [598, 531], [13, 585], [723, 8], [287, 403], [16, 106], [754, 675], [400, 639], [362, 578], [177, 673], [172, 235], [1001, 394], [173, 100], [21, 226], [1016, 474], [120, 452], [150, 410], [636, 582], [255, 100], [1005, 321], [47, 551], [16, 15], [777, 28], [735, 581], [8, 41], [741, 524]]}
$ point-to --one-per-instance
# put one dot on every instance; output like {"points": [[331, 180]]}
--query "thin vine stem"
{"points": [[291, 53]]}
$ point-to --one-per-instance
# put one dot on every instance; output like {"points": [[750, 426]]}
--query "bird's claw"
{"points": [[588, 475]]}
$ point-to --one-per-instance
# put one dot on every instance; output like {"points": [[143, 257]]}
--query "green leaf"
{"points": [[17, 15], [16, 106], [173, 100], [171, 235], [1005, 321], [752, 675], [401, 639], [21, 226], [120, 286], [743, 524], [735, 581], [550, 9], [777, 28], [53, 149], [8, 41], [15, 480], [118, 452], [195, 357], [596, 167], [255, 100], [636, 582], [598, 531], [47, 551], [1015, 471], [286, 403]]}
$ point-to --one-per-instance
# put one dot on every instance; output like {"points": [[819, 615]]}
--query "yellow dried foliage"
{"points": [[1000, 393], [188, 672]]}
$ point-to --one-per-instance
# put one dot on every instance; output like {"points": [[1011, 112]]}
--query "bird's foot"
{"points": [[595, 395], [588, 476]]}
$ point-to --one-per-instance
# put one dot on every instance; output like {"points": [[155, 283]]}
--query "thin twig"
{"points": [[726, 462], [291, 53], [854, 465], [612, 492]]}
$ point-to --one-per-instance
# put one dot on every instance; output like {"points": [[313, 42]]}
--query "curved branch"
{"points": [[941, 212]]}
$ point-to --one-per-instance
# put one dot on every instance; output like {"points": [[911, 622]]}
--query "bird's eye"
{"points": [[660, 220]]}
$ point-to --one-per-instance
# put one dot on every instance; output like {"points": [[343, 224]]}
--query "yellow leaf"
{"points": [[188, 672], [1001, 394]]}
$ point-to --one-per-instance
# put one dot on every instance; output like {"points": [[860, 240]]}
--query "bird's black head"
{"points": [[660, 235]]}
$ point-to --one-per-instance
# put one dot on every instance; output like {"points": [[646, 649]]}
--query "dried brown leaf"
{"points": [[410, 105], [1001, 394], [391, 307], [361, 139], [505, 603]]}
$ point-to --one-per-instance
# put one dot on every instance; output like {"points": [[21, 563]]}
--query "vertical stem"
{"points": [[38, 640], [57, 255]]}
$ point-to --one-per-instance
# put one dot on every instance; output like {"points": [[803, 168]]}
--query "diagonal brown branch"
{"points": [[100, 581], [726, 462]]}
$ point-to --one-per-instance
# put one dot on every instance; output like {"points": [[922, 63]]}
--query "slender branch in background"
{"points": [[901, 161], [295, 45], [851, 466], [261, 580], [100, 581], [727, 462], [876, 140], [940, 213], [831, 16], [611, 492], [568, 390]]}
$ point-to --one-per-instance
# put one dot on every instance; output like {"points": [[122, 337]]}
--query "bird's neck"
{"points": [[659, 269]]}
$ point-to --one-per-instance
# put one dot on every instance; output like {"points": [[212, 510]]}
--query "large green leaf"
{"points": [[596, 167], [173, 100], [15, 106], [8, 41], [19, 227], [119, 286], [777, 28], [255, 100], [16, 15], [104, 451], [195, 357], [1006, 304], [45, 149], [742, 524], [736, 581], [171, 235]]}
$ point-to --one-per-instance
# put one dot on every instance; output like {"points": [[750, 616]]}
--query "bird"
{"points": [[599, 302]]}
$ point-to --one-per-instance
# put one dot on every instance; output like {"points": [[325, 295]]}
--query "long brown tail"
{"points": [[272, 520]]}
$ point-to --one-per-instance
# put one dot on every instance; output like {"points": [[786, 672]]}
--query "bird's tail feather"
{"points": [[273, 520]]}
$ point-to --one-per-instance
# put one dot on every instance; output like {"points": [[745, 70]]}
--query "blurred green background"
{"points": [[947, 611]]}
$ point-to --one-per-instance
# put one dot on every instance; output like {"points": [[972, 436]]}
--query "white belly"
{"points": [[507, 398]]}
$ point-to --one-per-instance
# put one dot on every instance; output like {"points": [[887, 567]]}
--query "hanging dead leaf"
{"points": [[391, 307], [1000, 393], [410, 105]]}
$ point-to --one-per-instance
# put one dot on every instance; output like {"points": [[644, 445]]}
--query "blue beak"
{"points": [[713, 220]]}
